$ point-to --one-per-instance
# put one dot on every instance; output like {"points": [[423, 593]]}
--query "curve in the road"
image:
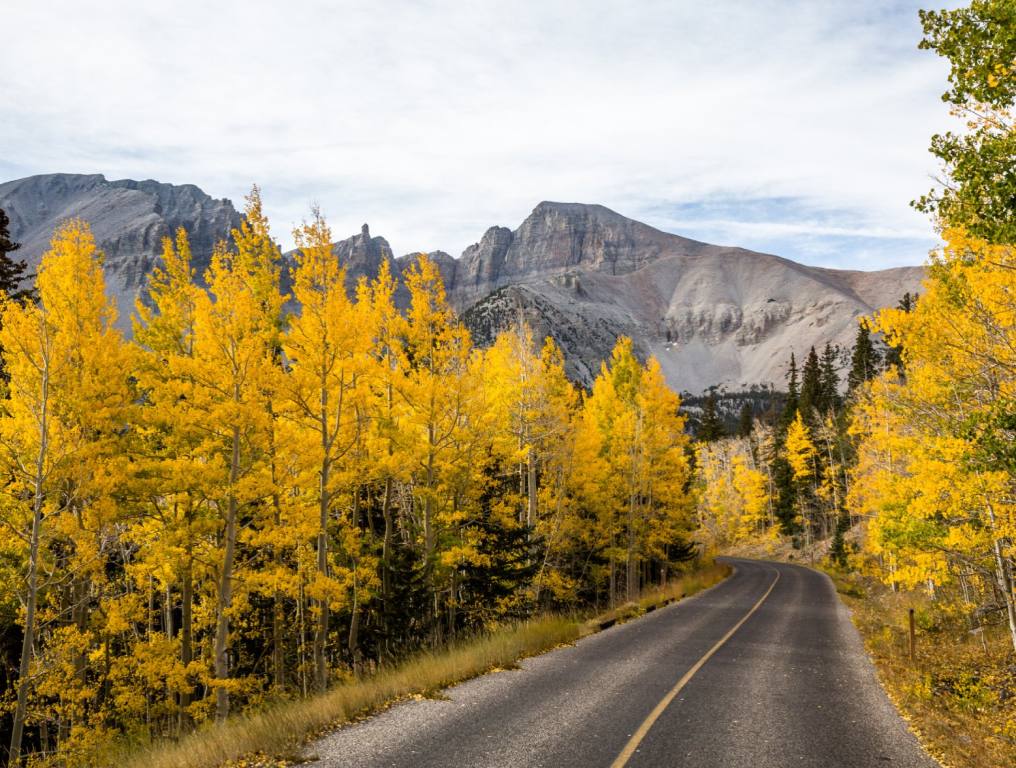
{"points": [[765, 670]]}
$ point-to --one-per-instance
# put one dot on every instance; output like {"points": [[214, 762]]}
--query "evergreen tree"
{"points": [[793, 395], [785, 506], [12, 273], [746, 420], [864, 363], [838, 548], [830, 381], [711, 427], [811, 387], [495, 584]]}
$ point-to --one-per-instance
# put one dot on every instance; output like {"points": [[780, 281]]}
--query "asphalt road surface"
{"points": [[764, 670]]}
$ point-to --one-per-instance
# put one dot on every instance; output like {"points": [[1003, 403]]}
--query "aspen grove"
{"points": [[259, 494]]}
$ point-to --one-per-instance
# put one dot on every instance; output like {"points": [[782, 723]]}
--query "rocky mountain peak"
{"points": [[560, 237], [362, 254], [128, 218]]}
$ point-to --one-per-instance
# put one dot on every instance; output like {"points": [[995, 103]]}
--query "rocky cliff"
{"points": [[128, 218]]}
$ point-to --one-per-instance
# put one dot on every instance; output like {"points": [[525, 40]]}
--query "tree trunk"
{"points": [[278, 635], [186, 633], [29, 636], [226, 586], [321, 631], [1003, 576], [531, 488], [28, 641], [354, 628], [386, 554], [324, 477]]}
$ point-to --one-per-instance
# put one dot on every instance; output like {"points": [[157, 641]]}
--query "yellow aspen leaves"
{"points": [[263, 493]]}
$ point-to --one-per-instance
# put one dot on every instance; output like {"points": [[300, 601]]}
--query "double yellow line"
{"points": [[640, 734]]}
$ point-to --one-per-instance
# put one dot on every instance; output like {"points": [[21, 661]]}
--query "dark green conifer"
{"points": [[711, 427], [894, 354], [811, 388], [830, 381], [746, 421], [864, 363], [12, 273], [793, 395]]}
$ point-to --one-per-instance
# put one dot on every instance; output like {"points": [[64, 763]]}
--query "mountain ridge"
{"points": [[582, 274]]}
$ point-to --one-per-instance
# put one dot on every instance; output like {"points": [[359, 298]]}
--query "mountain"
{"points": [[582, 274], [128, 218], [713, 315]]}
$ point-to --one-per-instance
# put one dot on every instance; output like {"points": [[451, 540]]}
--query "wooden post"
{"points": [[913, 637]]}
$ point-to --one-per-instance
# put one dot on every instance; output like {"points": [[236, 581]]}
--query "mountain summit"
{"points": [[582, 274], [128, 218], [713, 315]]}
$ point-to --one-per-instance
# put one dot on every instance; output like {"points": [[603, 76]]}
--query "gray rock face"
{"points": [[712, 315], [558, 237], [362, 254], [581, 274], [128, 218]]}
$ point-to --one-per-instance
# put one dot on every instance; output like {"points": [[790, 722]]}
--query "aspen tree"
{"points": [[386, 408], [327, 348], [234, 365], [801, 455], [437, 400], [936, 468], [68, 399], [176, 474]]}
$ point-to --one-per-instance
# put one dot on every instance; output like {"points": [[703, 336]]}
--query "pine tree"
{"points": [[792, 402], [894, 353], [746, 420], [495, 583], [811, 400], [711, 425], [864, 364], [829, 381], [785, 502], [838, 548], [12, 273]]}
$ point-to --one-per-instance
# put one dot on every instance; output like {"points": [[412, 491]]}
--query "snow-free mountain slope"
{"points": [[128, 218], [713, 315]]}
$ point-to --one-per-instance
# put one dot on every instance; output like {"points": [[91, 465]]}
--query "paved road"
{"points": [[790, 687]]}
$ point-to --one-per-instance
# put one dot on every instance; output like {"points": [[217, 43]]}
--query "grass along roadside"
{"points": [[278, 734], [959, 692]]}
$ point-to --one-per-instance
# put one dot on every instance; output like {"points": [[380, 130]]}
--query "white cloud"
{"points": [[433, 120]]}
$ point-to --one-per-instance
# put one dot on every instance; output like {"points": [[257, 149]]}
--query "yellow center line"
{"points": [[640, 734]]}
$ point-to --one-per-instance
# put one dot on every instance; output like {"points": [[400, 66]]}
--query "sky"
{"points": [[796, 128]]}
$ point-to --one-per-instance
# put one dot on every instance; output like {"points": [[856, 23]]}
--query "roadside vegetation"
{"points": [[278, 734], [959, 690]]}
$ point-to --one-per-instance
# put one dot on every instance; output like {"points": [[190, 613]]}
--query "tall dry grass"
{"points": [[280, 732]]}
